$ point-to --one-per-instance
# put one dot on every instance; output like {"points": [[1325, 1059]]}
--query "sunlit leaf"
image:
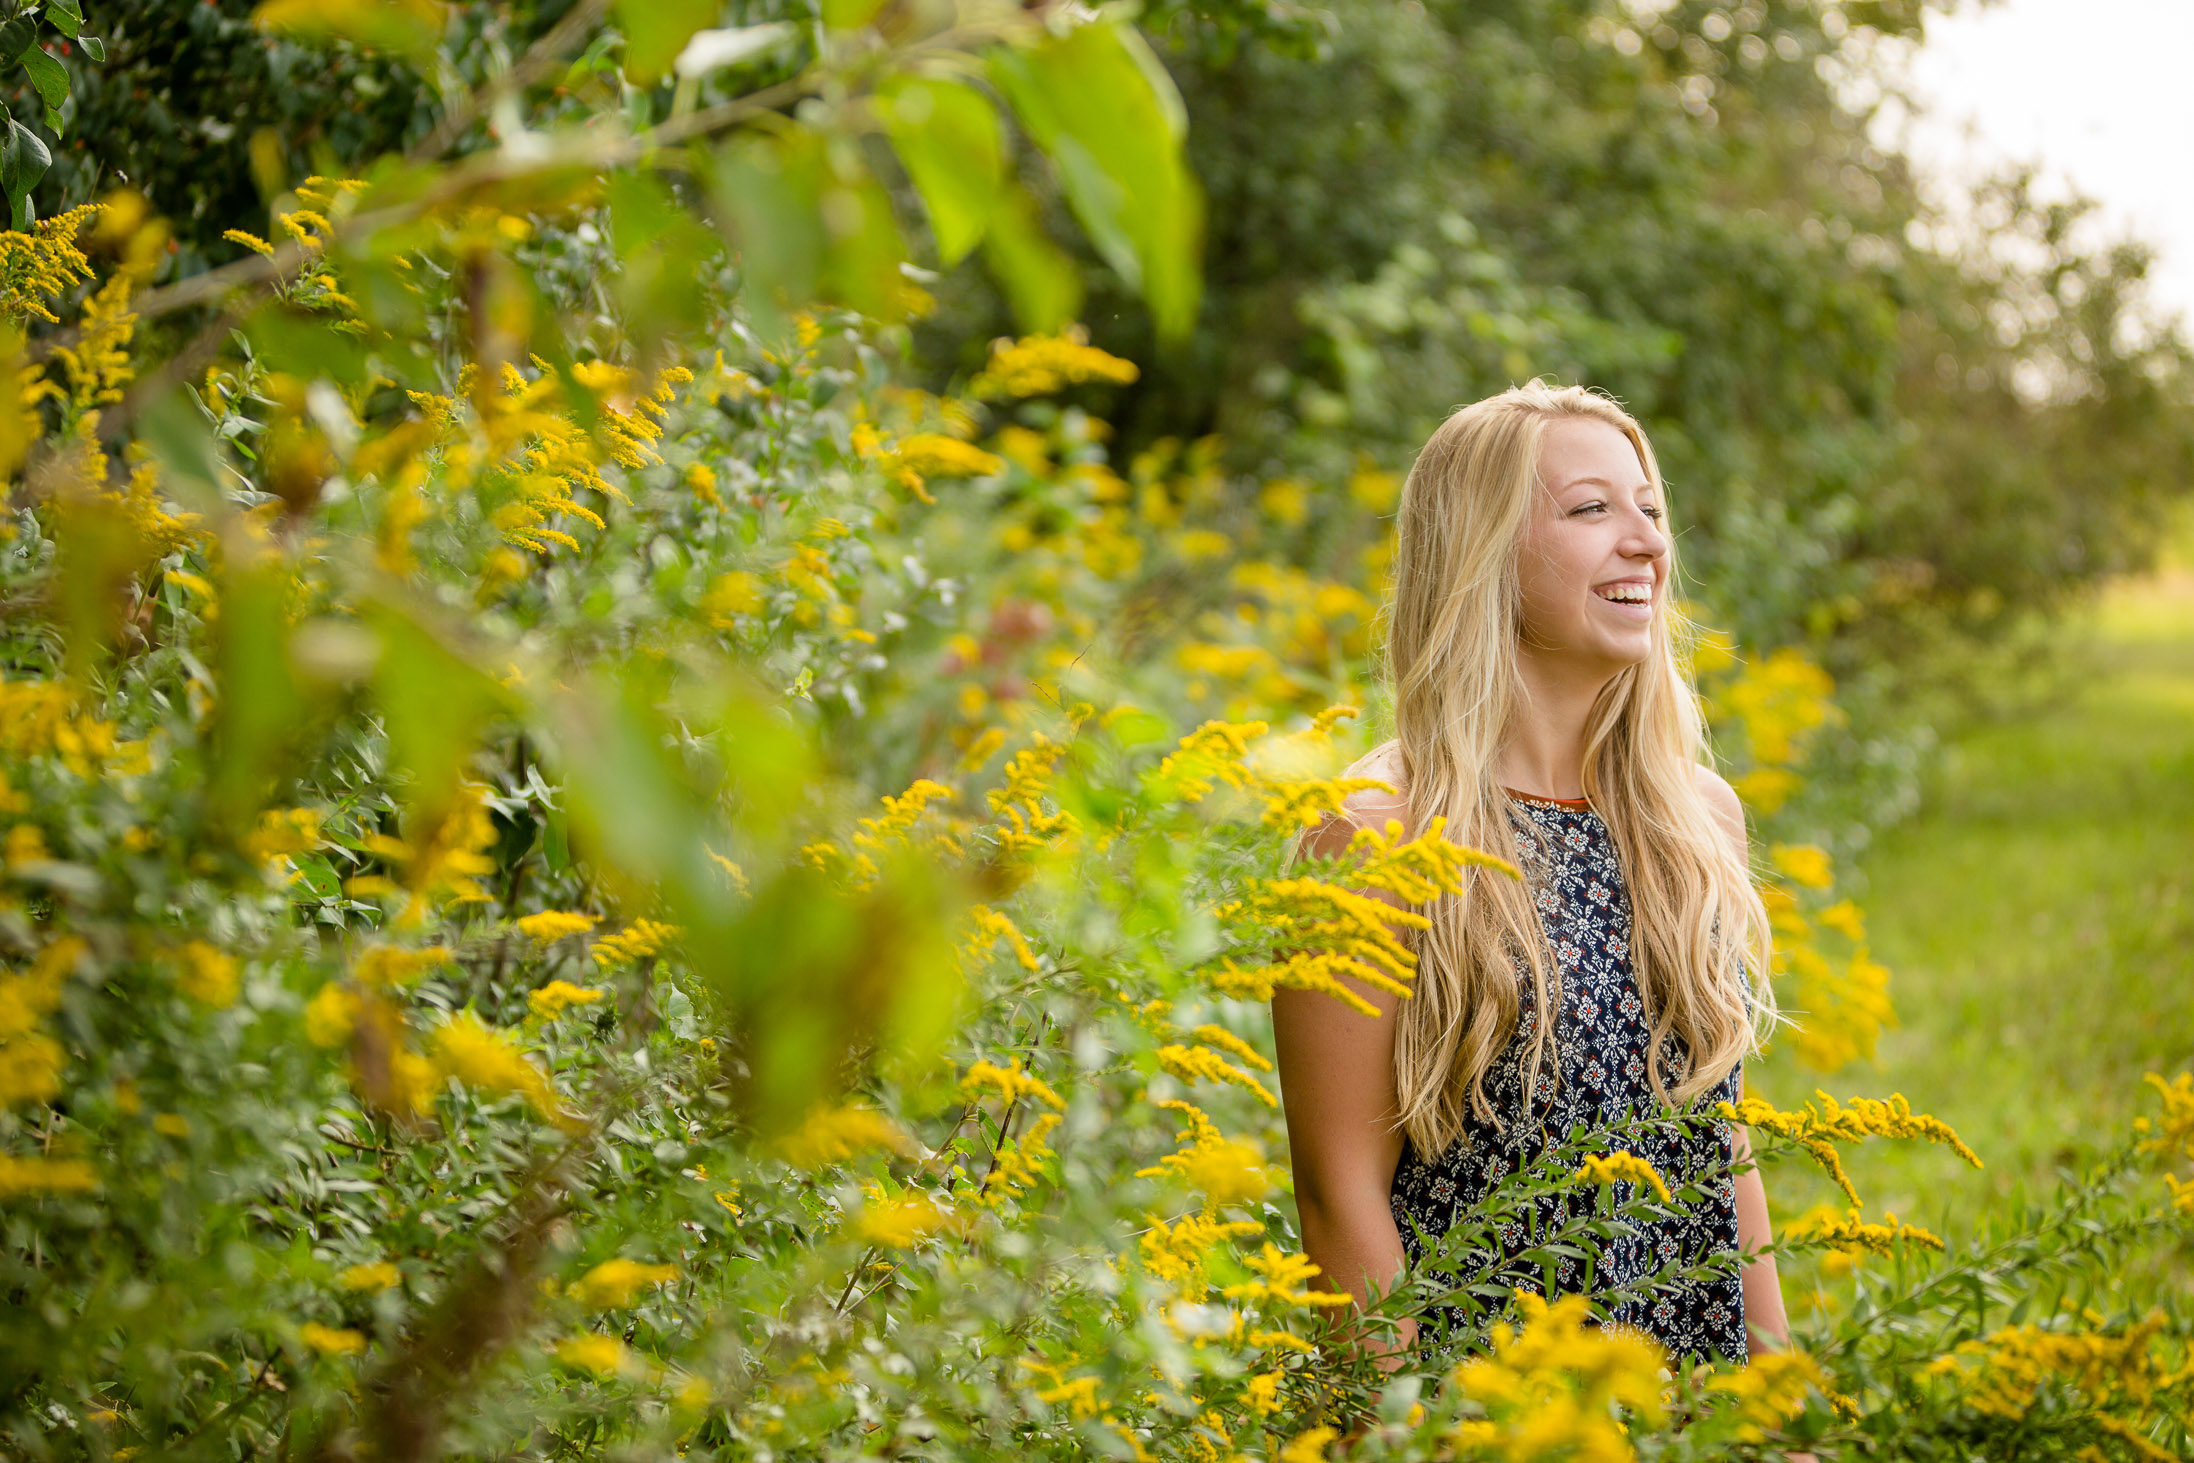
{"points": [[657, 30], [948, 140], [1103, 109]]}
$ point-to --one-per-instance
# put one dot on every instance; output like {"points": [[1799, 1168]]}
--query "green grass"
{"points": [[2038, 915]]}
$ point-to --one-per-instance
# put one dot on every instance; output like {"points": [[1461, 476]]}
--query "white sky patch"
{"points": [[2095, 91]]}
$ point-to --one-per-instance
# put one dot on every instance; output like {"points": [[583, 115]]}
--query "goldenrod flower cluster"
{"points": [[30, 1060], [1551, 1387], [612, 1284], [833, 1134], [1851, 1235], [1621, 1168], [1820, 1125], [1038, 365], [640, 940]]}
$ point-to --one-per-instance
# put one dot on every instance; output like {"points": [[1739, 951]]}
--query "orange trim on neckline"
{"points": [[1532, 797]]}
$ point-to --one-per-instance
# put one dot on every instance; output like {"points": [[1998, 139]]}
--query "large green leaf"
{"points": [[1103, 109], [1039, 278], [657, 30], [433, 697], [948, 140], [809, 225]]}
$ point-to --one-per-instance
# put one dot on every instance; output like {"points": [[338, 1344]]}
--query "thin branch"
{"points": [[540, 58]]}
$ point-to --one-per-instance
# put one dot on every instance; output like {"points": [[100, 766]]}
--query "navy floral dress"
{"points": [[1600, 1040]]}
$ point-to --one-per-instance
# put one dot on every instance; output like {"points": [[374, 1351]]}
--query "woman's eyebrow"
{"points": [[1601, 483]]}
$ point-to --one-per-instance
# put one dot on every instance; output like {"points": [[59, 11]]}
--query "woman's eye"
{"points": [[1588, 508], [1652, 513]]}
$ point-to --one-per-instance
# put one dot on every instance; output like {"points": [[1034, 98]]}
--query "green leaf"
{"points": [[947, 138], [390, 25], [93, 47], [16, 37], [665, 258], [1040, 280], [850, 14], [808, 227], [434, 698], [657, 30], [65, 16], [23, 161], [1099, 104], [765, 191], [48, 75]]}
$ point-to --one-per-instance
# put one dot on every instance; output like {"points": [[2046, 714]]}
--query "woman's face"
{"points": [[1593, 558]]}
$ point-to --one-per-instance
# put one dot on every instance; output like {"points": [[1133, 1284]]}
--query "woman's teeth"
{"points": [[1631, 594]]}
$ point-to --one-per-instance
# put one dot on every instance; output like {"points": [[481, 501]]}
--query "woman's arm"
{"points": [[1766, 1322], [1337, 1088], [1767, 1326]]}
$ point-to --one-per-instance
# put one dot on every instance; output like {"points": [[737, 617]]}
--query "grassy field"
{"points": [[2039, 917]]}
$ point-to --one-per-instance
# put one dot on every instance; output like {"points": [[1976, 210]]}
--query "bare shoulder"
{"points": [[1721, 800], [1369, 807]]}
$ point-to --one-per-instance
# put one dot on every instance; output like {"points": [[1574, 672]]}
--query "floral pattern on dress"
{"points": [[1597, 1078]]}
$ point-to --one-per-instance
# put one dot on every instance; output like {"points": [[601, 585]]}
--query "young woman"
{"points": [[1542, 707]]}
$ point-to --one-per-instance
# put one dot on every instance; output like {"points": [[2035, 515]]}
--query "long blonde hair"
{"points": [[1451, 664]]}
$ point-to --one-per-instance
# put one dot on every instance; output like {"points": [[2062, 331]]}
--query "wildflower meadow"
{"points": [[597, 863]]}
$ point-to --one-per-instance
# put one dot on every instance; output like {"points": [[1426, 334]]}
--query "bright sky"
{"points": [[2098, 91]]}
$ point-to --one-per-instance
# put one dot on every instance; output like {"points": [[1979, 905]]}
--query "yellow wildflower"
{"points": [[1805, 863], [206, 974], [903, 1221], [1283, 1278], [1009, 1082], [989, 926], [376, 1275], [729, 596], [1309, 1447], [639, 940], [1194, 1063], [1038, 365], [590, 1351], [281, 831], [551, 925], [1178, 1252], [481, 1057], [614, 1283], [331, 1015], [329, 1340], [931, 455], [834, 1134], [1850, 1234], [45, 1176], [380, 967], [557, 997], [1621, 1168]]}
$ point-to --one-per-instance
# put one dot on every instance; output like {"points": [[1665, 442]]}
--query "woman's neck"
{"points": [[1543, 751]]}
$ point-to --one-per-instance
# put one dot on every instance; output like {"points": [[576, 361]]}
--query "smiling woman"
{"points": [[1542, 712]]}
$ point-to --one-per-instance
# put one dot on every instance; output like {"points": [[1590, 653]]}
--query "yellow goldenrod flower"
{"points": [[551, 925], [1852, 1235], [383, 967], [1309, 1447], [1179, 1252], [481, 1057], [1009, 1082], [45, 1176], [639, 940], [1201, 1063], [1621, 1168], [205, 974], [902, 1221], [1804, 863], [931, 455], [834, 1134], [377, 1275], [614, 1283], [590, 1351], [1038, 365], [557, 997], [329, 1340], [331, 1015]]}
